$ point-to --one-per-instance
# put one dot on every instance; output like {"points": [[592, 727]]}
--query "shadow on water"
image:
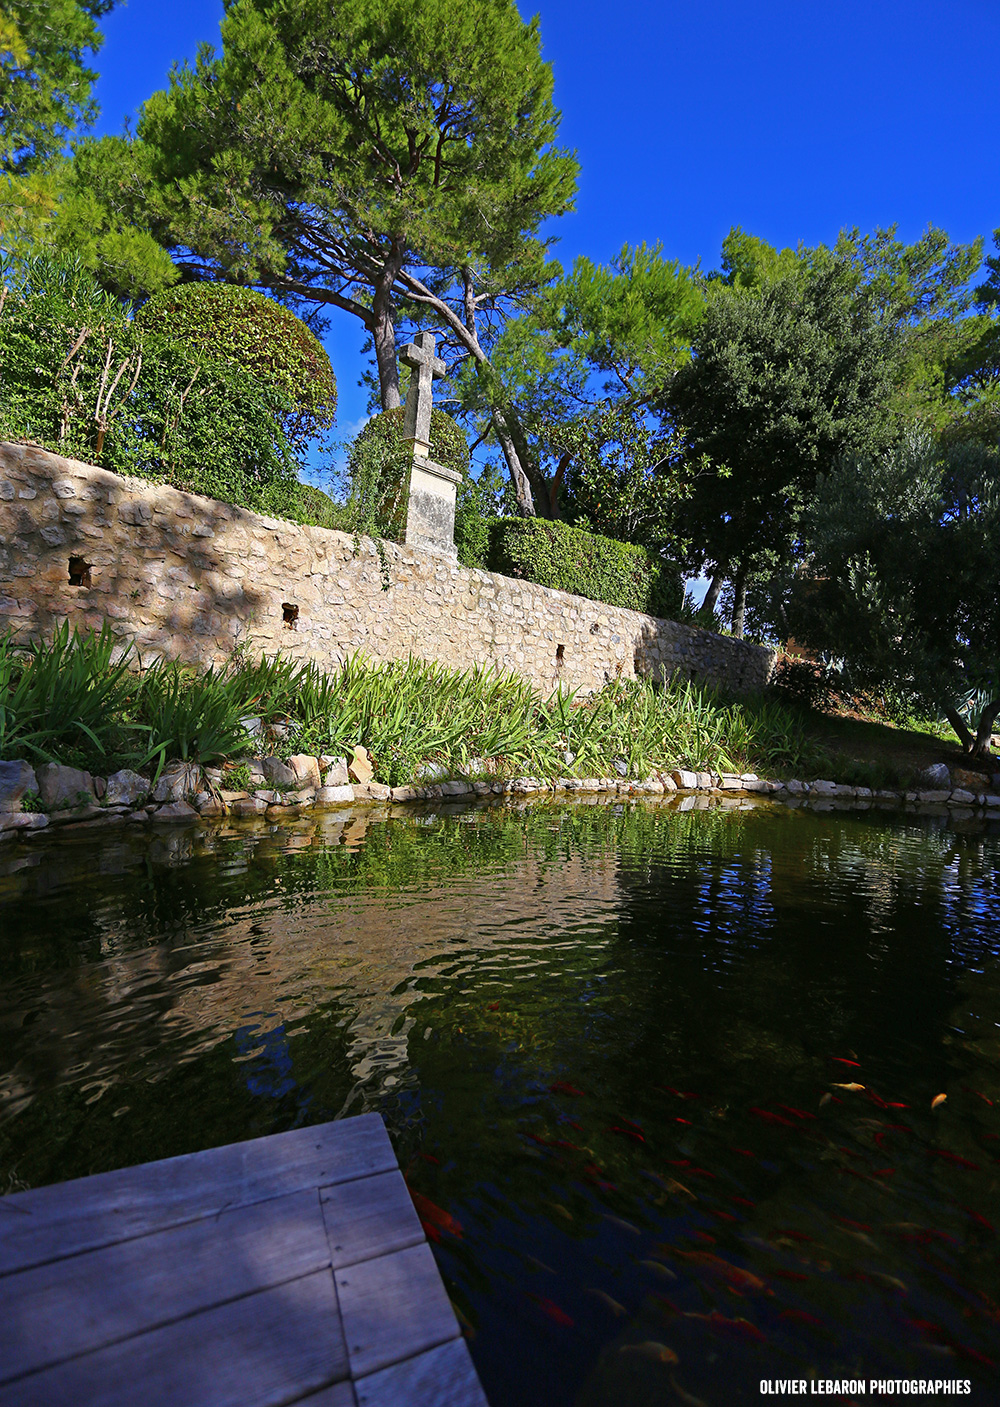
{"points": [[613, 1043]]}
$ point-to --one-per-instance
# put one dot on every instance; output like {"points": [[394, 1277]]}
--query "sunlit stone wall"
{"points": [[191, 578]]}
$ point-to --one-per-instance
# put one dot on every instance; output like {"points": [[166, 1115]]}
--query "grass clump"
{"points": [[82, 700]]}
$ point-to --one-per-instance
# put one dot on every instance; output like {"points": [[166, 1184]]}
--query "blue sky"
{"points": [[790, 119]]}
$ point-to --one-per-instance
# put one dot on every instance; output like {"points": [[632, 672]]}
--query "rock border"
{"points": [[186, 792]]}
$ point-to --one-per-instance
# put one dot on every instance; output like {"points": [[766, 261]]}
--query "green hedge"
{"points": [[569, 559]]}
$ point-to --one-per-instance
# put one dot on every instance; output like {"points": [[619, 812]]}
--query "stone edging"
{"points": [[186, 793]]}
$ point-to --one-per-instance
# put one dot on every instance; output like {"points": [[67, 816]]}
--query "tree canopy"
{"points": [[903, 581], [345, 154]]}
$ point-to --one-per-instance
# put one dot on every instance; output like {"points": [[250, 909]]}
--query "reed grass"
{"points": [[73, 700]]}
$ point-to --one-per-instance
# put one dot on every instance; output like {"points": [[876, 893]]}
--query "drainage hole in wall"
{"points": [[79, 571], [289, 614], [595, 629], [560, 651]]}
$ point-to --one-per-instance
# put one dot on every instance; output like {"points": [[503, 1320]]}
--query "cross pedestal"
{"points": [[430, 514]]}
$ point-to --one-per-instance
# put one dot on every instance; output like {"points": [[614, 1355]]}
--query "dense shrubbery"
{"points": [[236, 325], [82, 378], [70, 702], [569, 559]]}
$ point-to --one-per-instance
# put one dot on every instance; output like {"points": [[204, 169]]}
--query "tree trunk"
{"points": [[958, 723], [383, 329], [522, 488], [739, 601], [712, 594], [984, 732]]}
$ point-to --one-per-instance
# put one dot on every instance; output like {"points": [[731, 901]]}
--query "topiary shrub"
{"points": [[569, 559], [317, 509], [231, 324], [378, 470]]}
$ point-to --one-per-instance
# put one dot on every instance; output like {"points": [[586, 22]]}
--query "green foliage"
{"points": [[188, 715], [783, 381], [574, 376], [903, 578], [63, 699], [44, 82], [378, 470], [339, 152], [238, 326], [80, 378], [477, 503], [570, 559], [318, 509]]}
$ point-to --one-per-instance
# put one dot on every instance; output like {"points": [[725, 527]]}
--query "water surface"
{"points": [[602, 1039]]}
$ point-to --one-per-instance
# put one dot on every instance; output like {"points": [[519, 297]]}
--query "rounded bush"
{"points": [[233, 324]]}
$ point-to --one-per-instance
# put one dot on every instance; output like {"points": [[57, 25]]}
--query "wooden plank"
{"points": [[369, 1218], [67, 1307], [441, 1377], [261, 1351], [49, 1222], [392, 1308], [340, 1395]]}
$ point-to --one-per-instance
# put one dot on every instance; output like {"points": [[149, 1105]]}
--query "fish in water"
{"points": [[618, 1310], [435, 1216], [655, 1352], [771, 1118], [626, 1133], [729, 1326], [853, 1086], [620, 1222], [658, 1269], [561, 1087], [938, 1100], [686, 1397], [954, 1158], [550, 1308]]}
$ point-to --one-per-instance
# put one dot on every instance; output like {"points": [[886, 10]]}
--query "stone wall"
{"points": [[190, 577]]}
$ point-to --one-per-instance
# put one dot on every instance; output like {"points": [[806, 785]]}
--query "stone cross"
{"points": [[419, 354]]}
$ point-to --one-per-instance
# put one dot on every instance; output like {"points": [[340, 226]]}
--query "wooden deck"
{"points": [[287, 1269]]}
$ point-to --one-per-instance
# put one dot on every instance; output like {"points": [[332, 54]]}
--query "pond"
{"points": [[614, 1046]]}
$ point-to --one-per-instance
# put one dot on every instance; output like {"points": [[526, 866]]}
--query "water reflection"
{"points": [[600, 1036]]}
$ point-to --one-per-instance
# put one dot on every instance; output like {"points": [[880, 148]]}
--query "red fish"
{"points": [[858, 1225], [980, 1220], [436, 1216], [430, 1158], [789, 1275], [745, 1151], [954, 1158], [550, 1308], [770, 1118], [743, 1201], [799, 1113], [561, 1087], [564, 1143], [626, 1133], [720, 1323], [493, 1006], [678, 1120], [841, 1061], [680, 1093], [978, 1095], [801, 1316], [793, 1235], [723, 1216]]}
